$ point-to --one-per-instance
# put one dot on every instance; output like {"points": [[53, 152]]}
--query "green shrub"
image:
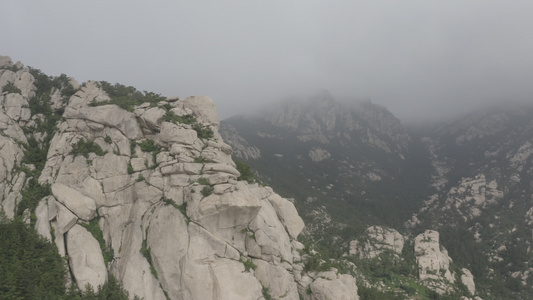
{"points": [[148, 145], [126, 97], [202, 160], [248, 265], [170, 116], [30, 265], [108, 139], [83, 147], [130, 169], [203, 132], [266, 295], [203, 181], [207, 190], [97, 233], [246, 172], [140, 178], [146, 252], [182, 208], [11, 88]]}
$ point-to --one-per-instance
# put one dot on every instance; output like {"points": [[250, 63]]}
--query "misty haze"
{"points": [[275, 150]]}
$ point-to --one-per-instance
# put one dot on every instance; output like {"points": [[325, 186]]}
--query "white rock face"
{"points": [[278, 280], [343, 288], [177, 221], [82, 206], [468, 280], [11, 154], [319, 154], [85, 258], [433, 263], [203, 107], [287, 214], [377, 239]]}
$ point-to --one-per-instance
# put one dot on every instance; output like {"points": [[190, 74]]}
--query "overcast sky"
{"points": [[413, 57]]}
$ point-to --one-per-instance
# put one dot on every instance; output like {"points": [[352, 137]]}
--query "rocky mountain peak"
{"points": [[143, 188]]}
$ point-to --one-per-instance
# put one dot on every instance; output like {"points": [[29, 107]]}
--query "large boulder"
{"points": [[82, 206], [85, 258], [203, 107], [433, 262], [341, 288], [377, 239]]}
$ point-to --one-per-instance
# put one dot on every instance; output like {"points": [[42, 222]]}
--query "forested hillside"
{"points": [[350, 168]]}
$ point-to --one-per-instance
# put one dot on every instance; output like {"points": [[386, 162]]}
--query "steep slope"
{"points": [[465, 189], [481, 198], [144, 188], [347, 167]]}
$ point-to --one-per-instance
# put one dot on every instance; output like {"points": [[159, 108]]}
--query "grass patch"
{"points": [[97, 233]]}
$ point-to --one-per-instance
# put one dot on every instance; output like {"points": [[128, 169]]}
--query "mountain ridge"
{"points": [[479, 163]]}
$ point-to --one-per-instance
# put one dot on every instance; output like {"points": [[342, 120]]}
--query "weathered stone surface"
{"points": [[42, 225], [193, 248], [377, 239], [203, 107], [287, 214], [341, 288], [152, 118], [85, 258], [226, 215], [5, 61], [168, 241], [270, 234], [172, 133], [279, 281], [231, 282], [82, 206], [433, 264], [468, 280], [24, 82], [62, 218], [90, 92], [131, 268], [108, 115]]}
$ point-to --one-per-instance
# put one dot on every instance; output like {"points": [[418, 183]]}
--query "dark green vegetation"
{"points": [[182, 208], [126, 97], [36, 151], [84, 147], [146, 253], [11, 88], [148, 146], [248, 265], [95, 230], [31, 268], [207, 190], [492, 142], [340, 181], [246, 172], [204, 132]]}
